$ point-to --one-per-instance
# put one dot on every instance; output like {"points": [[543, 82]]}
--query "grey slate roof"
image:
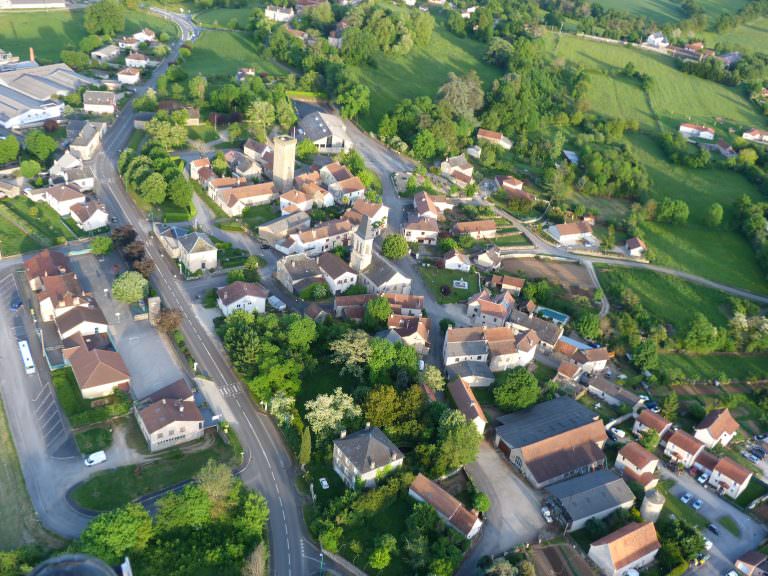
{"points": [[380, 271], [101, 97], [543, 420], [549, 332], [468, 369], [467, 348], [591, 494], [319, 125], [196, 242], [368, 449]]}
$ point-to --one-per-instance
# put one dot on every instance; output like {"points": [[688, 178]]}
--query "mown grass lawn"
{"points": [[421, 73], [752, 36], [222, 53], [675, 97], [662, 11], [730, 524], [203, 132], [113, 488], [255, 216], [93, 440], [740, 367], [668, 299], [720, 254], [26, 226], [50, 32], [754, 489], [437, 278], [221, 17], [77, 409], [673, 505]]}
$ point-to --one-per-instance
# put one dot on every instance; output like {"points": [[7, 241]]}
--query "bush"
{"points": [[394, 247]]}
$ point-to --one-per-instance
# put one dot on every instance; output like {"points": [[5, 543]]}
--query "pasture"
{"points": [[420, 73], [674, 97], [663, 11], [221, 17], [222, 53], [51, 32], [751, 37]]}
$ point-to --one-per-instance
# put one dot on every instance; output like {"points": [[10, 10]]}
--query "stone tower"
{"points": [[284, 162], [651, 507], [362, 246]]}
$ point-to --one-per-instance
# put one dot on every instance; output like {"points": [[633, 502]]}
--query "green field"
{"points": [[667, 298], [26, 226], [421, 72], [668, 10], [220, 17], [752, 36], [740, 367], [696, 247], [436, 278], [52, 32], [674, 96], [221, 53], [113, 488]]}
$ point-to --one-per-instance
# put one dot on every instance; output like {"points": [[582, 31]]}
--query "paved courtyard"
{"points": [[145, 351]]}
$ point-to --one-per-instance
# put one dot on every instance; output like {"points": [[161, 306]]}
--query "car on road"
{"points": [[707, 544], [96, 458], [757, 451], [697, 504], [324, 484], [714, 529], [547, 514], [685, 498], [16, 303], [703, 478], [751, 457]]}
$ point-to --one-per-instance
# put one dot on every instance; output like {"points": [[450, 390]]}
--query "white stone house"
{"points": [[337, 273], [248, 296], [360, 458], [90, 216]]}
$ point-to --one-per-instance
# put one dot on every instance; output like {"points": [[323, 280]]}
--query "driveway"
{"points": [[145, 351], [726, 547], [514, 517]]}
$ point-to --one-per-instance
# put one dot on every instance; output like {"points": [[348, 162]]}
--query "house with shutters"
{"points": [[729, 478], [421, 230], [360, 457], [90, 216], [455, 260], [194, 250], [170, 417], [338, 274], [718, 428], [638, 464], [240, 295], [552, 441], [476, 229], [500, 348], [683, 448], [631, 547]]}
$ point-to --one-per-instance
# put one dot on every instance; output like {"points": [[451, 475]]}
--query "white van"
{"points": [[96, 458]]}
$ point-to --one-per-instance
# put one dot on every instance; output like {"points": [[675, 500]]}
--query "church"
{"points": [[377, 274]]}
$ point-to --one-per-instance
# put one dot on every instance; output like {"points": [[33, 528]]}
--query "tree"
{"points": [[153, 188], [114, 534], [219, 164], [256, 564], [101, 245], [169, 320], [145, 267], [353, 98], [30, 168], [106, 17], [481, 502], [134, 251], [670, 406], [702, 336], [649, 440], [123, 235], [458, 442], [75, 59], [305, 450], [433, 378], [588, 325], [167, 134], [382, 553], [180, 191], [306, 150], [40, 144], [9, 149], [260, 116], [217, 481], [463, 94], [715, 215], [327, 414], [130, 287], [377, 311], [394, 247], [197, 85], [352, 351], [516, 389]]}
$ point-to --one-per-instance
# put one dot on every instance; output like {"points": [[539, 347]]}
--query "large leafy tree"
{"points": [[153, 188], [328, 414], [40, 144], [458, 442], [106, 17], [113, 535], [9, 149], [516, 389], [376, 312], [394, 247], [130, 287]]}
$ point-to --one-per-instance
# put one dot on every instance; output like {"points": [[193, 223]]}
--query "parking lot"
{"points": [[726, 546]]}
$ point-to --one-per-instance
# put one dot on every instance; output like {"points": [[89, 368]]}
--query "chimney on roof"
{"points": [[343, 434], [31, 54]]}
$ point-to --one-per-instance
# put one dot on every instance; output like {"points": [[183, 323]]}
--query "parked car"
{"points": [[685, 498], [96, 458], [703, 478], [714, 529], [697, 504], [16, 303], [707, 544], [545, 511], [324, 484], [751, 457]]}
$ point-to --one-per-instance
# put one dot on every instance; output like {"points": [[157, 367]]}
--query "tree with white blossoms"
{"points": [[352, 351], [328, 414], [433, 378], [281, 406]]}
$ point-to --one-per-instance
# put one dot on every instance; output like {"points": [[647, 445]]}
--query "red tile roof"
{"points": [[630, 543], [445, 505]]}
